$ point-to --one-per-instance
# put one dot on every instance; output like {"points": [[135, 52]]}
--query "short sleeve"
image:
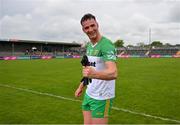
{"points": [[108, 52]]}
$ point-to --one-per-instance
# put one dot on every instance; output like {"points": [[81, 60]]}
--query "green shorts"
{"points": [[98, 108]]}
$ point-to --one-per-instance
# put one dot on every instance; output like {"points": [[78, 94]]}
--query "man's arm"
{"points": [[109, 73], [79, 90]]}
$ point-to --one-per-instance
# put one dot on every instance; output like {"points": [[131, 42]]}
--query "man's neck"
{"points": [[94, 41]]}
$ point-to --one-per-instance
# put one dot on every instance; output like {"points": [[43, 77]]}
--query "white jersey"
{"points": [[98, 54]]}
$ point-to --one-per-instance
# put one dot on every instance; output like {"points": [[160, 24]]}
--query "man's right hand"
{"points": [[79, 90]]}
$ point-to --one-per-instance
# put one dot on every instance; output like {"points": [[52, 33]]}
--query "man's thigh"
{"points": [[99, 120], [87, 117]]}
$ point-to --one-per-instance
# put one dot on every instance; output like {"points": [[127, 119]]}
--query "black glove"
{"points": [[86, 81], [85, 62]]}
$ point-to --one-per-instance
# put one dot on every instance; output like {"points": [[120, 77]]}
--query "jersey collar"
{"points": [[97, 42]]}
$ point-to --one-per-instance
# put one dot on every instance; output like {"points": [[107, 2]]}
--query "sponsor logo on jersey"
{"points": [[93, 64]]}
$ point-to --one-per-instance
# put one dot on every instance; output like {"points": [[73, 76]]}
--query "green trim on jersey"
{"points": [[104, 49]]}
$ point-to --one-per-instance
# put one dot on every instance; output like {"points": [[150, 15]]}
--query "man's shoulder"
{"points": [[106, 42], [88, 45], [106, 39]]}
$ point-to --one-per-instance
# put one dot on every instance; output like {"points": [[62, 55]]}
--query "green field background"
{"points": [[144, 85]]}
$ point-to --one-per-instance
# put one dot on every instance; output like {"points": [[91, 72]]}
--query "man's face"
{"points": [[90, 27]]}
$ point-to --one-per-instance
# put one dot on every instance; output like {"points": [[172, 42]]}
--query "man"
{"points": [[103, 72]]}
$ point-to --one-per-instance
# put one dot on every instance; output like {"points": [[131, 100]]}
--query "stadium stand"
{"points": [[148, 52], [28, 49], [25, 48], [164, 51]]}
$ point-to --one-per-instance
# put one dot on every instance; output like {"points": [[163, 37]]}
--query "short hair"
{"points": [[87, 16]]}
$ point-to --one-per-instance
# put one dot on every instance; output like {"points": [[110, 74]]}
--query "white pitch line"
{"points": [[146, 115], [76, 100], [40, 93]]}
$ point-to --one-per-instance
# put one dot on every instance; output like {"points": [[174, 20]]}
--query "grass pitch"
{"points": [[144, 86]]}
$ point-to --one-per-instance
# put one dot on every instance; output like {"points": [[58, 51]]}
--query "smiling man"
{"points": [[101, 91]]}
